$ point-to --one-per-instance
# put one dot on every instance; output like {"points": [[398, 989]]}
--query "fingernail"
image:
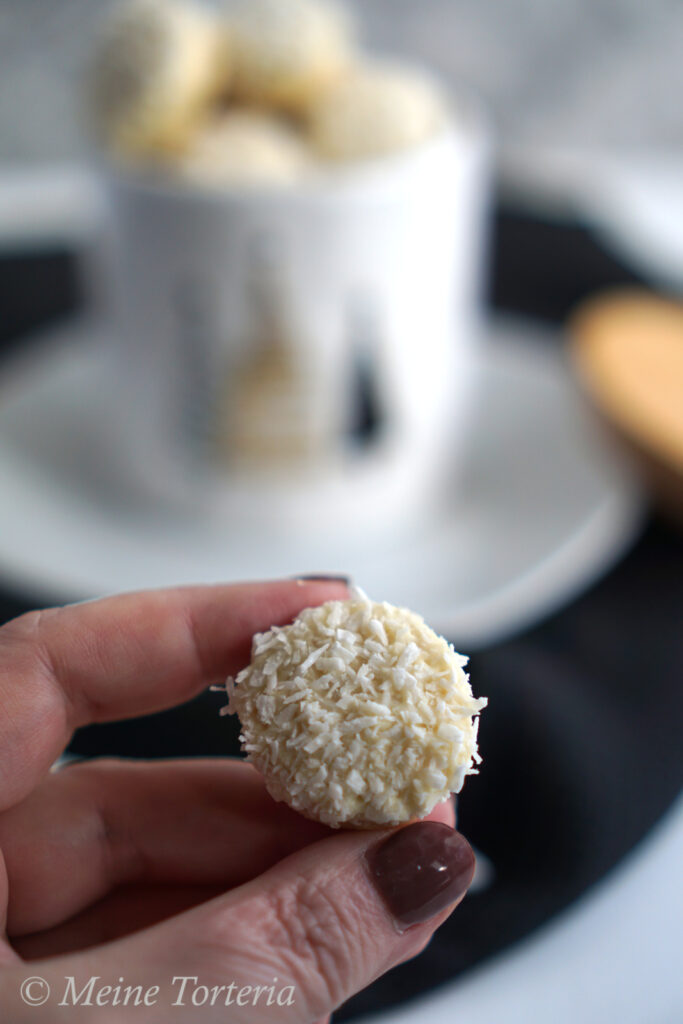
{"points": [[315, 577], [420, 870]]}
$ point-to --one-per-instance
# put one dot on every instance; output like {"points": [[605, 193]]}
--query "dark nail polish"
{"points": [[420, 870], [322, 578]]}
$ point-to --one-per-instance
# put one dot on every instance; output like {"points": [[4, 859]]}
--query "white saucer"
{"points": [[633, 200], [639, 212], [541, 509]]}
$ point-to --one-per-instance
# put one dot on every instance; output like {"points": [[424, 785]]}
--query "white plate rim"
{"points": [[550, 583]]}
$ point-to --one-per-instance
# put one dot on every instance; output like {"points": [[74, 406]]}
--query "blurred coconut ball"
{"points": [[258, 94], [285, 51], [157, 66], [243, 147], [374, 110]]}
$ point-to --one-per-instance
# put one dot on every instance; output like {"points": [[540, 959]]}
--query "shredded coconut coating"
{"points": [[357, 714]]}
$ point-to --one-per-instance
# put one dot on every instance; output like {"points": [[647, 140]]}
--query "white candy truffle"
{"points": [[246, 148], [285, 51], [373, 111], [357, 714], [158, 65]]}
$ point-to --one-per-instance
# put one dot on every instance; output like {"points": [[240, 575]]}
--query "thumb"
{"points": [[310, 932]]}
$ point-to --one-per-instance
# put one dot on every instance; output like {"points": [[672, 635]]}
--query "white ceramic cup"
{"points": [[300, 357]]}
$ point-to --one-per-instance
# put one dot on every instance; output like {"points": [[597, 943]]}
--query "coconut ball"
{"points": [[246, 148], [357, 714], [158, 65], [285, 51], [373, 111]]}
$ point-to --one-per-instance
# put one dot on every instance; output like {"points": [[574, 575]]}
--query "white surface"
{"points": [[614, 956], [541, 509], [639, 212], [633, 199], [59, 204]]}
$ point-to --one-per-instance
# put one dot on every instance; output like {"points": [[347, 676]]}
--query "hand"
{"points": [[136, 873]]}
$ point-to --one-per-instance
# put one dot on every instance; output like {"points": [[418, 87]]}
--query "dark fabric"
{"points": [[36, 290], [582, 737]]}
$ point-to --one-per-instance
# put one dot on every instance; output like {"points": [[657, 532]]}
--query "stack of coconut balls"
{"points": [[262, 92]]}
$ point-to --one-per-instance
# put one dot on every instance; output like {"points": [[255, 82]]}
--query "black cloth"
{"points": [[581, 739]]}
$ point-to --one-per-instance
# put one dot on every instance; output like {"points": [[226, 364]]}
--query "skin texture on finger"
{"points": [[125, 910], [7, 955], [125, 656], [314, 922], [101, 824]]}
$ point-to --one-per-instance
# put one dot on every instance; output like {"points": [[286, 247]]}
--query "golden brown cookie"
{"points": [[628, 350]]}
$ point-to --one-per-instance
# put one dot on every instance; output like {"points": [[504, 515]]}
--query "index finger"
{"points": [[125, 656]]}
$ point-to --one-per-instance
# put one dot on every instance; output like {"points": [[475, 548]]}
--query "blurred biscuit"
{"points": [[628, 349]]}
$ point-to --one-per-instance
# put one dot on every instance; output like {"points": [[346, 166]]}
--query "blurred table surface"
{"points": [[582, 737]]}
